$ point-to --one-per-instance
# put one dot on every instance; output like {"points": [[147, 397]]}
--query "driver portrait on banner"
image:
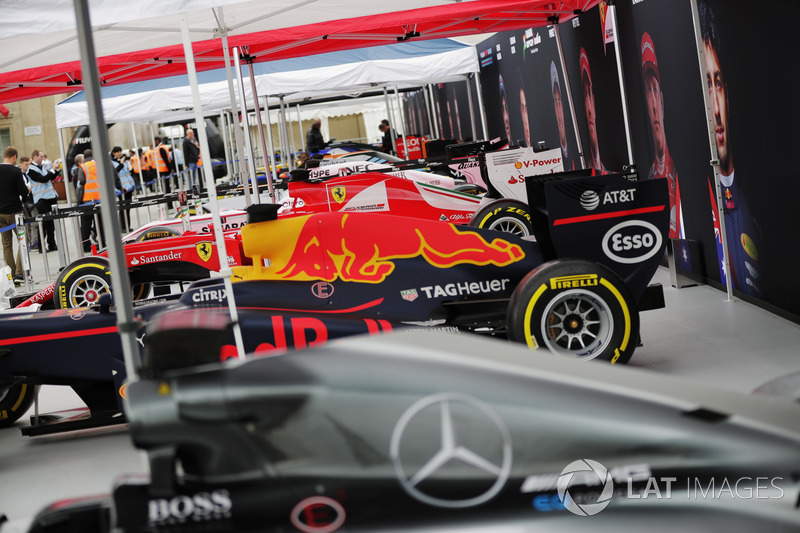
{"points": [[663, 165], [740, 227]]}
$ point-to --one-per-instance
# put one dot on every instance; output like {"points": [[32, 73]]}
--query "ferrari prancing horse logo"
{"points": [[339, 193], [203, 250]]}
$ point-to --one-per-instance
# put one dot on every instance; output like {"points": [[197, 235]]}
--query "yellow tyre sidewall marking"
{"points": [[530, 339], [21, 397], [626, 337], [85, 265]]}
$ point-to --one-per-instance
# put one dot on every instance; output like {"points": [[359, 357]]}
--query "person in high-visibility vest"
{"points": [[148, 167], [89, 193], [136, 168], [165, 165]]}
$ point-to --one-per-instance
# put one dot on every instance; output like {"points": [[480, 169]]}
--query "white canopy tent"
{"points": [[399, 65]]}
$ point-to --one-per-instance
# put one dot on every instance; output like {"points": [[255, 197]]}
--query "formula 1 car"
{"points": [[307, 279], [184, 257], [388, 434]]}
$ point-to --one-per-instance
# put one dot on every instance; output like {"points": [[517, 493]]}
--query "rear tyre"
{"points": [[510, 216], [575, 308], [15, 400]]}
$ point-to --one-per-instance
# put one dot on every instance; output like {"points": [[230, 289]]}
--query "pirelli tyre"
{"points": [[575, 308], [511, 216], [157, 232], [82, 282], [15, 400]]}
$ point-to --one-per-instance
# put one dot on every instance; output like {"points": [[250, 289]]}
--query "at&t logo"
{"points": [[576, 473]]}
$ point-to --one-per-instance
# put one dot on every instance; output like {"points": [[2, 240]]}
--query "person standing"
{"points": [[28, 207], [191, 155], [89, 185], [12, 191], [128, 186], [136, 168], [165, 165], [387, 146], [44, 195], [314, 140]]}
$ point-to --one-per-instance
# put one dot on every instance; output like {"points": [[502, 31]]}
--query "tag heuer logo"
{"points": [[203, 250], [409, 294], [339, 193]]}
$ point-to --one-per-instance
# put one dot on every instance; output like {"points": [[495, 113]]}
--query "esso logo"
{"points": [[632, 241]]}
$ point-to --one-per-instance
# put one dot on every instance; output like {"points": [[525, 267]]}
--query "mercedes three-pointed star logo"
{"points": [[451, 450]]}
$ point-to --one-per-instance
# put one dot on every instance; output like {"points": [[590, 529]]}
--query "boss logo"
{"points": [[202, 506], [632, 241]]}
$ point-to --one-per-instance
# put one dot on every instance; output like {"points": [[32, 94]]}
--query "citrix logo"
{"points": [[213, 505], [211, 295]]}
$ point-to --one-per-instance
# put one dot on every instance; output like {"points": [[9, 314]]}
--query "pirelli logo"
{"points": [[574, 282]]}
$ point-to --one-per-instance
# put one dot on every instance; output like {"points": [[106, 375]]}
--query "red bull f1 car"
{"points": [[576, 290]]}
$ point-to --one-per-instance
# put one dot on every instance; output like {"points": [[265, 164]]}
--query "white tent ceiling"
{"points": [[344, 72]]}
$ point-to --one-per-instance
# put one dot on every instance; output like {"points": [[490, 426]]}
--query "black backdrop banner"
{"points": [[753, 121]]}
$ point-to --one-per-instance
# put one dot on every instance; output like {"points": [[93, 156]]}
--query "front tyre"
{"points": [[510, 216], [82, 282], [15, 400], [575, 308]]}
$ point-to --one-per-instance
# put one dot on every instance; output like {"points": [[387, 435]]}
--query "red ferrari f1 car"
{"points": [[577, 290]]}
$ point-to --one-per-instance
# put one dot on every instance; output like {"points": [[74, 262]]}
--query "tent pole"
{"points": [[402, 120], [481, 108], [237, 132], [471, 108], [65, 167], [120, 280], [261, 133], [433, 112], [299, 129], [612, 10], [281, 138], [285, 119], [270, 145], [246, 125], [429, 107], [219, 238], [714, 152], [568, 88], [390, 116], [226, 138]]}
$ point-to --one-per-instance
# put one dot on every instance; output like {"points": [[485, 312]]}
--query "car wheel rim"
{"points": [[87, 290], [578, 324], [510, 225]]}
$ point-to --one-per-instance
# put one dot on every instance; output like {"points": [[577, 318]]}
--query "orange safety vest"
{"points": [[147, 160], [91, 189], [162, 165], [135, 165]]}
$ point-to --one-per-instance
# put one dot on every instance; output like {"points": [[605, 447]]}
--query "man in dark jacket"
{"points": [[314, 140], [191, 155], [12, 190]]}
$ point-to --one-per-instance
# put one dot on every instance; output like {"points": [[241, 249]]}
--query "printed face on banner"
{"points": [[718, 96]]}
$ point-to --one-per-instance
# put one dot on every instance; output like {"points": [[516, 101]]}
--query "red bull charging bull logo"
{"points": [[350, 247]]}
